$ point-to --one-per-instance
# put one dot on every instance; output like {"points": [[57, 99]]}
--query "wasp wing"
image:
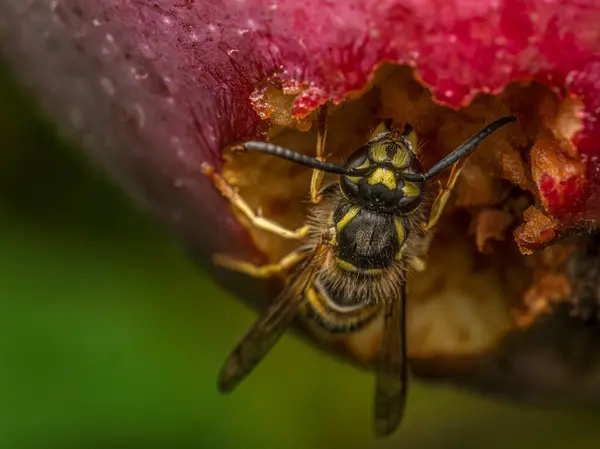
{"points": [[269, 327], [391, 378]]}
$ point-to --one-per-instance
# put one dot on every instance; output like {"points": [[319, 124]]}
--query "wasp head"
{"points": [[385, 175], [385, 159]]}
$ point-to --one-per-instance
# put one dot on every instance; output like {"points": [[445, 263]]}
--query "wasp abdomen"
{"points": [[335, 312]]}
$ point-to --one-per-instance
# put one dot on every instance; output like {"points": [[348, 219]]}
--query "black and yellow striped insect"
{"points": [[363, 234]]}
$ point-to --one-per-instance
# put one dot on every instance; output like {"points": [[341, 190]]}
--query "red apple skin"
{"points": [[153, 89]]}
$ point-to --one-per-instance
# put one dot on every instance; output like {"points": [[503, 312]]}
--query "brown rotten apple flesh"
{"points": [[154, 89]]}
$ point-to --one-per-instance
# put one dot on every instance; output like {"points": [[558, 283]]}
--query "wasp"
{"points": [[362, 235]]}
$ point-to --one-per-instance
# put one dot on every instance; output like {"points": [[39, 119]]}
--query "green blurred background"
{"points": [[111, 338]]}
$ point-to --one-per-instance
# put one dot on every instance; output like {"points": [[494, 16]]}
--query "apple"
{"points": [[154, 89]]}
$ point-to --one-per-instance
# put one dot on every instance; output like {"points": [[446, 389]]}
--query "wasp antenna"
{"points": [[463, 150], [299, 158]]}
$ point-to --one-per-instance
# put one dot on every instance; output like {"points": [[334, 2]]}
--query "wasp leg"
{"points": [[260, 271], [442, 199], [317, 176], [417, 263], [255, 219]]}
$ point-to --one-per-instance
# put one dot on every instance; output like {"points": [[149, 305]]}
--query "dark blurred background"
{"points": [[111, 338]]}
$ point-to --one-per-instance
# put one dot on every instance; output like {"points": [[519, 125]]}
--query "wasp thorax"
{"points": [[383, 188], [367, 241]]}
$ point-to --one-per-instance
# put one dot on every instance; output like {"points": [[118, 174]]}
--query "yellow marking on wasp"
{"points": [[414, 142], [383, 176], [365, 164], [378, 152], [347, 266], [410, 189], [315, 301], [401, 235], [355, 179], [347, 218], [372, 271], [400, 230], [401, 158]]}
